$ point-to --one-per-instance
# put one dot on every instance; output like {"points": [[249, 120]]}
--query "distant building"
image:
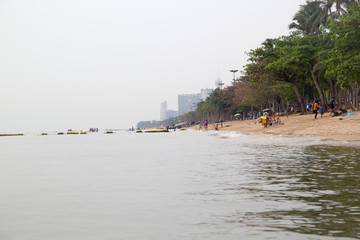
{"points": [[188, 102], [171, 114], [204, 93], [165, 113], [163, 110]]}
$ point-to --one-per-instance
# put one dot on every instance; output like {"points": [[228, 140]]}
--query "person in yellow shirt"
{"points": [[316, 108]]}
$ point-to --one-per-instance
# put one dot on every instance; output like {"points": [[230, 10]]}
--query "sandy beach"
{"points": [[302, 125]]}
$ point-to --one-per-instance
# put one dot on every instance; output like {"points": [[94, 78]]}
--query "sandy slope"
{"points": [[303, 125]]}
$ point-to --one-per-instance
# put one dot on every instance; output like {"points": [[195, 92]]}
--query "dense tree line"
{"points": [[319, 59]]}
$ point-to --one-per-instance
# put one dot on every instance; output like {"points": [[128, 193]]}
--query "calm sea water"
{"points": [[178, 185]]}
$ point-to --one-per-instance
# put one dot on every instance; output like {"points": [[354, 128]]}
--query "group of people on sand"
{"points": [[215, 125], [267, 120], [319, 107]]}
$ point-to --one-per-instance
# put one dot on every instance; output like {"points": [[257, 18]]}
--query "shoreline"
{"points": [[327, 126]]}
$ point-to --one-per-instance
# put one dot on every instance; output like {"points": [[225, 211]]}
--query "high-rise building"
{"points": [[204, 93], [188, 102], [171, 114], [163, 109]]}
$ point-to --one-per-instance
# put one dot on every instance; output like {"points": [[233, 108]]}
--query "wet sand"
{"points": [[302, 125]]}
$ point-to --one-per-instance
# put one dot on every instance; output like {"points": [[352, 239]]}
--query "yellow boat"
{"points": [[71, 132], [82, 132], [11, 134], [156, 130], [43, 133], [109, 132]]}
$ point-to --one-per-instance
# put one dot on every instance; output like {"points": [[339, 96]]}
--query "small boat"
{"points": [[182, 129], [43, 134], [109, 132], [60, 133], [82, 132], [139, 131], [72, 132], [156, 130], [11, 134]]}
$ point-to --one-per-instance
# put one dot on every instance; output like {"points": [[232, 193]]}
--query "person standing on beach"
{"points": [[316, 108], [288, 111], [206, 125], [221, 122], [322, 110], [332, 105]]}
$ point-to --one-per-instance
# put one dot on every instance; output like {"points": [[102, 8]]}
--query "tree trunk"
{"points": [[350, 100], [322, 100], [345, 97], [332, 90], [325, 97], [338, 7], [356, 98], [299, 99], [335, 92], [340, 98]]}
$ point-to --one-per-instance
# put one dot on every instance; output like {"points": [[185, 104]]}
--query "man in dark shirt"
{"points": [[332, 104]]}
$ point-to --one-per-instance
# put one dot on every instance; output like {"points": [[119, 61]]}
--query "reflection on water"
{"points": [[178, 185], [327, 180], [305, 189]]}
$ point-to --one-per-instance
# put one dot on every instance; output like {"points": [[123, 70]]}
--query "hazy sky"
{"points": [[110, 63]]}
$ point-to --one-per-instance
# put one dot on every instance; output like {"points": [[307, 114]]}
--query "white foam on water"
{"points": [[231, 134], [285, 140]]}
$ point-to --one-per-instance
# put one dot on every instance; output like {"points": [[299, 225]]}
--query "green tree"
{"points": [[344, 58]]}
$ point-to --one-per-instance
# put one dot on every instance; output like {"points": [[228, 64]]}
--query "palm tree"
{"points": [[314, 15], [306, 20], [327, 7], [340, 3]]}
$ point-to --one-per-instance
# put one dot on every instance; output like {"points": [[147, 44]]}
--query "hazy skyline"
{"points": [[110, 64]]}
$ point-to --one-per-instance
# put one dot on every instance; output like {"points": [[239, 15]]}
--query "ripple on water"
{"points": [[183, 185]]}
